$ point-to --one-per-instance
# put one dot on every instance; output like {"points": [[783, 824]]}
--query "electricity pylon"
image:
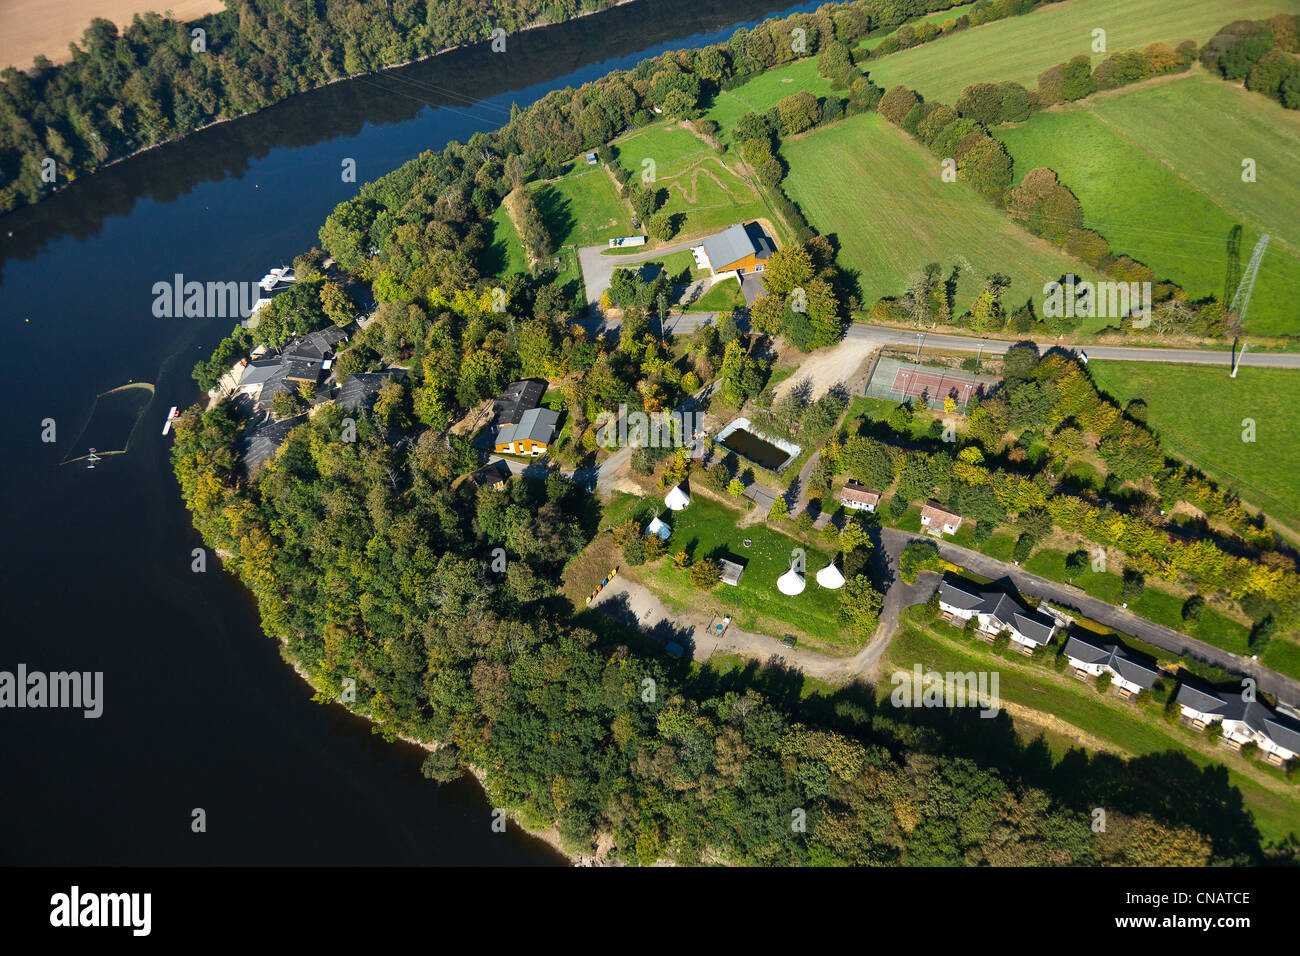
{"points": [[1241, 298]]}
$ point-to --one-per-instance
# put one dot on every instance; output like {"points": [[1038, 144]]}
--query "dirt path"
{"points": [[840, 363]]}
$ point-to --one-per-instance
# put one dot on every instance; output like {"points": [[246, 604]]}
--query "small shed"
{"points": [[731, 571]]}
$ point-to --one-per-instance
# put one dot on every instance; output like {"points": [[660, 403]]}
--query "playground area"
{"points": [[903, 381]]}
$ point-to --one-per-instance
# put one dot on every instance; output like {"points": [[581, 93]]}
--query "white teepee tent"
{"points": [[790, 583], [677, 499], [830, 577], [660, 528]]}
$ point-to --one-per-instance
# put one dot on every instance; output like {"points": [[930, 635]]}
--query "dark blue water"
{"points": [[200, 711]]}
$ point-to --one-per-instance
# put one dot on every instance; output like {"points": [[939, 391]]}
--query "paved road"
{"points": [[597, 268], [878, 336], [1031, 585]]}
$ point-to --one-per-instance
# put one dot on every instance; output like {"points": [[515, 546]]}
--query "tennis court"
{"points": [[904, 381]]}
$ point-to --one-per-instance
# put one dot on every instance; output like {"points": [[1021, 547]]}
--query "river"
{"points": [[199, 710]]}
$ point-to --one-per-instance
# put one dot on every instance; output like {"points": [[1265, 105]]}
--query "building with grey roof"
{"points": [[1130, 672], [1244, 721], [994, 612], [315, 347], [531, 436], [359, 391], [260, 445], [738, 249]]}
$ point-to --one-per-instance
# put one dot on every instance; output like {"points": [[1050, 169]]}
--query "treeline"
{"points": [[371, 568], [153, 80], [1261, 53], [909, 35]]}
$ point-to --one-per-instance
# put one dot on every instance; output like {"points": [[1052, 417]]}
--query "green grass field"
{"points": [[721, 297], [881, 195], [765, 91], [1158, 171], [702, 191], [1198, 413], [1133, 730], [505, 252], [708, 528], [939, 18], [1019, 48], [582, 208]]}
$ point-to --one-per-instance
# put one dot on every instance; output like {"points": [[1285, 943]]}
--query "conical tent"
{"points": [[660, 528], [677, 499], [830, 577], [790, 583]]}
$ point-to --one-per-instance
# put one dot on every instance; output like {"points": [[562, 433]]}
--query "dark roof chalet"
{"points": [[509, 407], [361, 389], [278, 381], [490, 474], [1134, 668], [999, 606], [315, 346], [261, 445], [1231, 705]]}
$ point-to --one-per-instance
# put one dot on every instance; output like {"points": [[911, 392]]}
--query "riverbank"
{"points": [[340, 79], [549, 836]]}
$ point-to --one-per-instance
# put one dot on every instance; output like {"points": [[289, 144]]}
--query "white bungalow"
{"points": [[1244, 721], [677, 499], [960, 600], [1090, 656]]}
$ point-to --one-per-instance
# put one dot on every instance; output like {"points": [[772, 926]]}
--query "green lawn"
{"points": [[505, 252], [1158, 171], [721, 297], [582, 208], [708, 529], [765, 91], [881, 195], [1136, 731], [669, 145], [1019, 48], [704, 195], [939, 18], [1283, 656], [1198, 413]]}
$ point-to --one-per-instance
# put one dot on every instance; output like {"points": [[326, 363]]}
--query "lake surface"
{"points": [[199, 709]]}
